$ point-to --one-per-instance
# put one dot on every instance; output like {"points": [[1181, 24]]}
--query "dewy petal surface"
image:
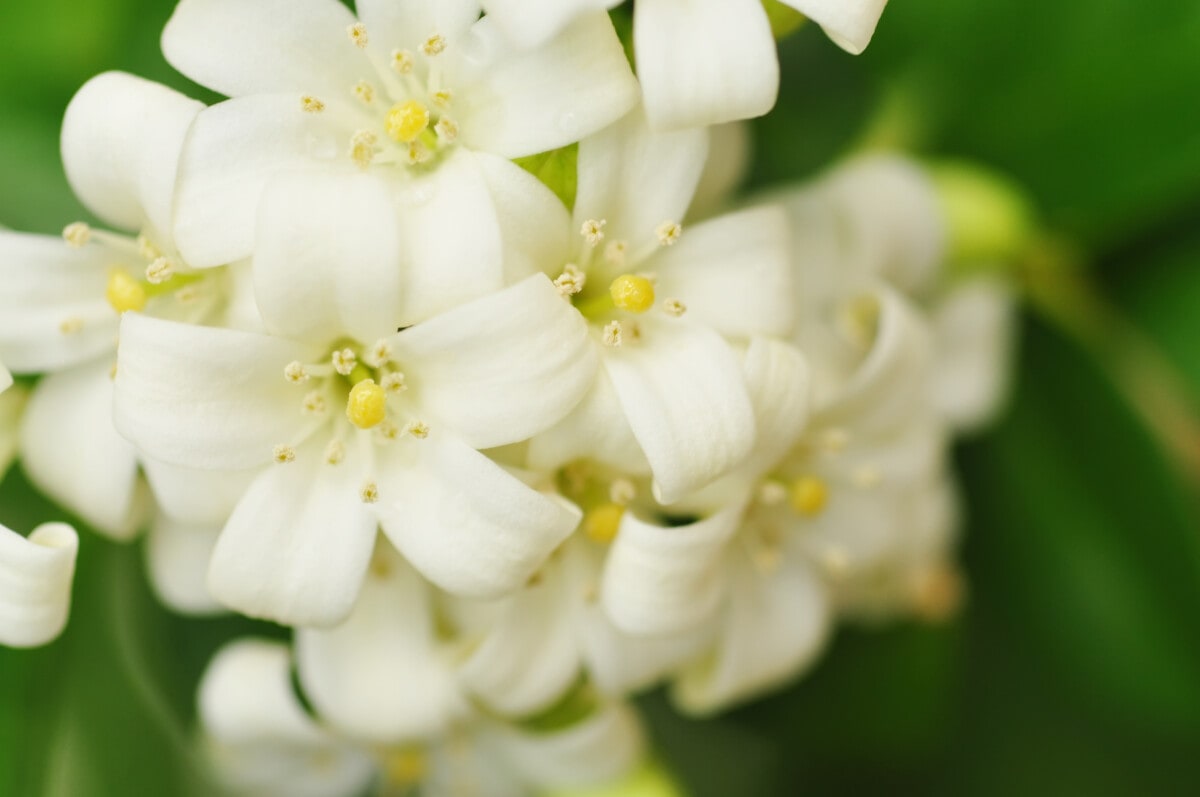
{"points": [[378, 675], [466, 523], [850, 23], [207, 398], [35, 583], [703, 62], [241, 47], [71, 451], [297, 545], [684, 393], [121, 140], [501, 368], [520, 102]]}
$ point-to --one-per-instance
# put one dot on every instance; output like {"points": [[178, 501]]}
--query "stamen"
{"points": [[772, 493], [160, 271], [809, 496], [379, 353], [622, 491], [387, 431], [314, 404], [442, 98], [402, 62], [406, 121], [335, 453], [283, 454], [344, 361], [571, 281], [124, 293], [365, 92], [358, 34], [602, 523], [418, 153], [615, 253], [71, 326], [394, 382], [295, 372], [668, 233], [147, 248], [366, 405], [632, 293], [362, 148], [674, 308], [612, 335], [434, 45], [447, 129], [369, 493], [77, 234], [310, 104], [417, 429], [593, 231]]}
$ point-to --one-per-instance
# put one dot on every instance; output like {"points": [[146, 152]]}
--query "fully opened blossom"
{"points": [[700, 62], [350, 428], [423, 93]]}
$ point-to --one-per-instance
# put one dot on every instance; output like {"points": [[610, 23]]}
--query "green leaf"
{"points": [[558, 170]]}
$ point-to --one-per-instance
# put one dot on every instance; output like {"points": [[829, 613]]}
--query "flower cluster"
{"points": [[441, 342]]}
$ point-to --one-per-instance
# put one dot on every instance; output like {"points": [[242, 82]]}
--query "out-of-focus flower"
{"points": [[700, 62], [35, 583], [407, 91], [12, 402]]}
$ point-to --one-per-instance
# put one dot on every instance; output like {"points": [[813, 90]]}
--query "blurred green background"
{"points": [[1075, 668]]}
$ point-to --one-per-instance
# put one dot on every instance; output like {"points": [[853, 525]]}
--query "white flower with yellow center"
{"points": [[345, 425], [422, 93], [700, 62], [35, 582], [667, 307], [62, 299]]}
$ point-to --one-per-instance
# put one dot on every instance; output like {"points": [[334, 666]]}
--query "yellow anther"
{"points": [[295, 372], [358, 34], [809, 495], [447, 129], [314, 404], [367, 404], [417, 429], [124, 292], [362, 148], [632, 293], [571, 281], [310, 104], [394, 382], [161, 270], [602, 523], [344, 361], [674, 308], [418, 153], [147, 248], [365, 92], [402, 61], [434, 45], [406, 121], [369, 493], [613, 334], [77, 234], [405, 767], [592, 231], [668, 233], [283, 454], [442, 98]]}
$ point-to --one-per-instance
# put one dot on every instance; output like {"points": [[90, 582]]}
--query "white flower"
{"points": [[666, 306], [700, 62], [412, 87], [35, 583], [346, 436]]}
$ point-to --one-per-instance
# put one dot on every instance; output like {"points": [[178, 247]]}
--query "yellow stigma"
{"points": [[632, 293], [406, 121], [809, 495], [602, 523], [367, 404], [124, 292]]}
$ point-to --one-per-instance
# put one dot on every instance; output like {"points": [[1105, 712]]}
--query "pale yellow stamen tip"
{"points": [[314, 404], [593, 231], [571, 281], [335, 452], [358, 34], [418, 153], [447, 129], [668, 233], [442, 98], [362, 148], [402, 61], [632, 293], [406, 121], [417, 429], [674, 308], [71, 326], [615, 252], [370, 493], [772, 493], [365, 92], [379, 353], [147, 249], [367, 404], [613, 334], [602, 523], [434, 45], [295, 372], [387, 431], [344, 361], [124, 292], [283, 454], [809, 496], [622, 491], [160, 271], [394, 382], [310, 104], [77, 234]]}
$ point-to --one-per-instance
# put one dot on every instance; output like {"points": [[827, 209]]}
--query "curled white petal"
{"points": [[35, 583]]}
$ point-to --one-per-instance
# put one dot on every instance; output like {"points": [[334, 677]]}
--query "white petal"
{"points": [[262, 741], [177, 557], [327, 262], [528, 658], [207, 398], [6, 379], [520, 102], [684, 393], [974, 330], [501, 368], [231, 151], [240, 47], [535, 226], [703, 62], [732, 150], [531, 23], [73, 454], [850, 23], [297, 545], [661, 580], [46, 283], [465, 523], [597, 750], [775, 625], [378, 676], [635, 179], [35, 583], [12, 404], [733, 273], [121, 140], [405, 24], [196, 497], [596, 429]]}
